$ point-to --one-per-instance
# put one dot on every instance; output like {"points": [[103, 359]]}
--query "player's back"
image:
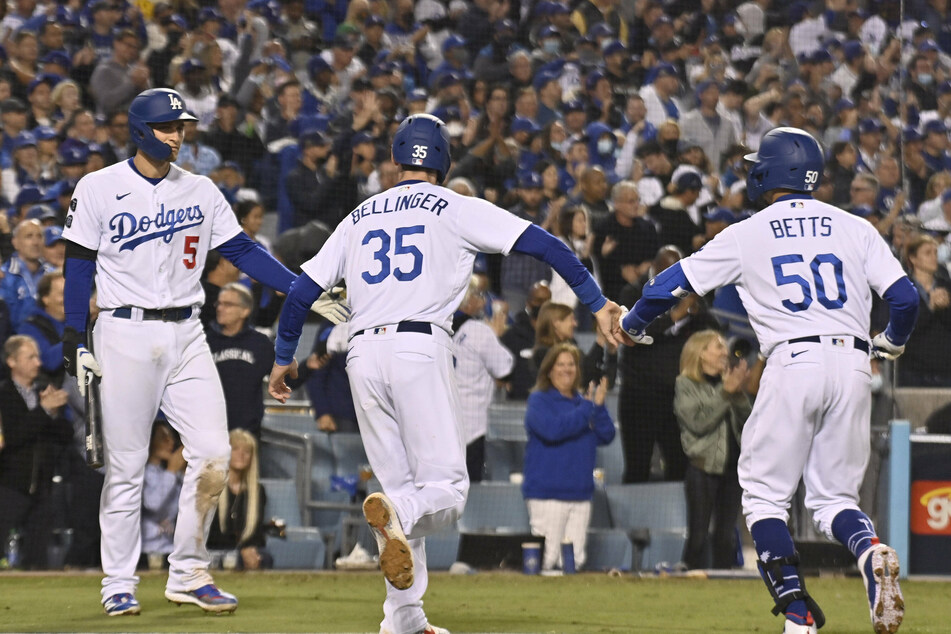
{"points": [[407, 253], [803, 268]]}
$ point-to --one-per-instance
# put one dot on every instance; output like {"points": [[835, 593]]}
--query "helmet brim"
{"points": [[752, 158]]}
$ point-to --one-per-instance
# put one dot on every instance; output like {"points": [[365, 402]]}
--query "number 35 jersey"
{"points": [[801, 267], [407, 253], [152, 239]]}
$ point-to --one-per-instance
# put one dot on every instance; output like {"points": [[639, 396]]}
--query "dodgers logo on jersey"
{"points": [[164, 224]]}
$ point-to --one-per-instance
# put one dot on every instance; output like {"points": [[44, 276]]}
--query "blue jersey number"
{"points": [[823, 258], [381, 255]]}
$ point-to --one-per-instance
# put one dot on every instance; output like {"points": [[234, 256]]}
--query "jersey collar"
{"points": [[153, 181], [412, 181], [796, 196]]}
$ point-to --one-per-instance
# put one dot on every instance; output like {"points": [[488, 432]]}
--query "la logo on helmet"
{"points": [[174, 102]]}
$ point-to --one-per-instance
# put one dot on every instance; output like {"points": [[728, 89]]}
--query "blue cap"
{"points": [[42, 212], [574, 105], [688, 180], [843, 104], [721, 214], [44, 133], [453, 41], [448, 79], [24, 139], [543, 77], [862, 211], [51, 235], [820, 56], [178, 21], [192, 64], [593, 78], [448, 113], [380, 69], [705, 85], [601, 30], [869, 125], [662, 20], [852, 50], [559, 8], [665, 68], [28, 195], [57, 57], [613, 46], [317, 64], [362, 137], [910, 134], [547, 32], [504, 25], [95, 148], [530, 180], [207, 14], [374, 20], [928, 46], [936, 126], [311, 136], [417, 94], [73, 152], [524, 124], [50, 79]]}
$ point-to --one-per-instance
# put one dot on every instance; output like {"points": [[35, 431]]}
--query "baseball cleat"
{"points": [[209, 598], [879, 568], [791, 627], [396, 557], [119, 604]]}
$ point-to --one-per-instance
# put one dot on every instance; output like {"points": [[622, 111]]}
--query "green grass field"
{"points": [[485, 602]]}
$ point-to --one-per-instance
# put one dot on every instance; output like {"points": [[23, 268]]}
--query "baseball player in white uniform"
{"points": [[804, 271], [480, 359], [407, 255], [143, 228]]}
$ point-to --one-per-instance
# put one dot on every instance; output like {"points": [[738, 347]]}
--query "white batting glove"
{"points": [[636, 336], [333, 305], [882, 348], [86, 368]]}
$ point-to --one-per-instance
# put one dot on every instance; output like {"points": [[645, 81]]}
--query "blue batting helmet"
{"points": [[788, 158], [422, 140], [156, 105]]}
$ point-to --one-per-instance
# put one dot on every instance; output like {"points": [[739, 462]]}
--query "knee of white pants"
{"points": [[212, 475], [822, 516]]}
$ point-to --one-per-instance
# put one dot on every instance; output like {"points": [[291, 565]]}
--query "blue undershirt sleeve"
{"points": [[79, 275], [255, 261], [540, 244], [902, 298], [303, 293], [660, 295]]}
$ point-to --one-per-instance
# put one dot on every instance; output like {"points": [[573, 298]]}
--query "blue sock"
{"points": [[773, 541], [855, 530]]}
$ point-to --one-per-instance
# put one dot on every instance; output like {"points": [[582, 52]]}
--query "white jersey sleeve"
{"points": [[488, 228], [224, 224], [84, 222], [326, 268], [882, 268], [716, 264]]}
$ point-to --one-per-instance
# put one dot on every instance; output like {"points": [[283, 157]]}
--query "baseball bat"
{"points": [[94, 452]]}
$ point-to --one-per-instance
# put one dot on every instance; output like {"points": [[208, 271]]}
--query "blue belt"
{"points": [[405, 326], [180, 313], [859, 344]]}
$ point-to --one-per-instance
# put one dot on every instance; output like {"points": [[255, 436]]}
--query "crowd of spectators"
{"points": [[618, 126]]}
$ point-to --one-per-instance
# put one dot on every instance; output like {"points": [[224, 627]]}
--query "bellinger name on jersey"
{"points": [[164, 224], [400, 203]]}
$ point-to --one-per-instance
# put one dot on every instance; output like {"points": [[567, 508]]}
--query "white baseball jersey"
{"points": [[152, 240], [407, 253], [802, 268], [480, 357]]}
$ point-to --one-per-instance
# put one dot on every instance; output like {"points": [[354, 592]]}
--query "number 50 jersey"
{"points": [[407, 253], [801, 267]]}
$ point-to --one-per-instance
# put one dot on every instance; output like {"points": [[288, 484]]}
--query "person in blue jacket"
{"points": [[564, 430]]}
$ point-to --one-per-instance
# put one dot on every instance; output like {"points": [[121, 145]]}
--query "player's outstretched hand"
{"points": [[276, 386], [882, 348], [630, 337], [333, 305], [607, 319], [86, 368]]}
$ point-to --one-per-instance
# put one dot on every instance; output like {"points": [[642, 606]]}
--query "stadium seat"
{"points": [[585, 340], [442, 548], [495, 507], [608, 548], [278, 460], [282, 501], [503, 458], [348, 452], [298, 422], [322, 465], [658, 507], [301, 548], [507, 422], [610, 459]]}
